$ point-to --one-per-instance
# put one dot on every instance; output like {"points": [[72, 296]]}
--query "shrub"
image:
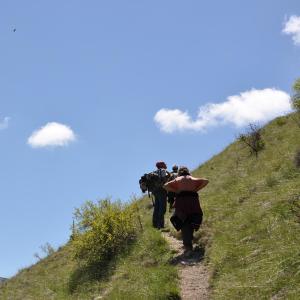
{"points": [[47, 250], [296, 97], [281, 121], [296, 102], [253, 139], [102, 230]]}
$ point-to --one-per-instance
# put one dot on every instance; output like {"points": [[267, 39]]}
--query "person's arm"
{"points": [[171, 186], [202, 183]]}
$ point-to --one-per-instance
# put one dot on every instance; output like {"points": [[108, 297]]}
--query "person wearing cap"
{"points": [[160, 196], [188, 213]]}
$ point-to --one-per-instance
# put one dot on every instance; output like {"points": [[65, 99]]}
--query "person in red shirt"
{"points": [[188, 213]]}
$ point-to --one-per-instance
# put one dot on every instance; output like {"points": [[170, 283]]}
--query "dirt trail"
{"points": [[193, 273]]}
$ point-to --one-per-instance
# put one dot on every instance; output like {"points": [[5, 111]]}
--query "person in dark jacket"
{"points": [[188, 213], [171, 195], [160, 196]]}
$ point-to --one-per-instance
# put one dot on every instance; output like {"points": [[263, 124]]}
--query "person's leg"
{"points": [[187, 236], [162, 206], [171, 200], [155, 216]]}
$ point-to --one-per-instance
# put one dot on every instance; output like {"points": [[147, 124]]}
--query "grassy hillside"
{"points": [[251, 230], [141, 271], [252, 217]]}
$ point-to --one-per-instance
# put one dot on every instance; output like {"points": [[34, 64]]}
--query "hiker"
{"points": [[171, 195], [160, 196], [188, 213]]}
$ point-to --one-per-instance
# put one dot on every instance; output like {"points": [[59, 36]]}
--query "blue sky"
{"points": [[124, 81]]}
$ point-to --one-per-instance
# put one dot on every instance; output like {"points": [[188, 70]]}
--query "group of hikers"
{"points": [[180, 190]]}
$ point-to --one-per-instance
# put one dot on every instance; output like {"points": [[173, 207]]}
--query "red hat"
{"points": [[161, 165]]}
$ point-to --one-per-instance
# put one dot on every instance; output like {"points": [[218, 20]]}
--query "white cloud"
{"points": [[292, 27], [171, 120], [4, 123], [52, 134], [239, 110]]}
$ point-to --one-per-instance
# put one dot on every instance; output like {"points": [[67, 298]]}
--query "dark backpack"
{"points": [[154, 180]]}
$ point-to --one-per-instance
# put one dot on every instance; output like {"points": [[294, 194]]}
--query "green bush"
{"points": [[102, 230], [296, 97], [296, 102], [253, 139], [281, 121]]}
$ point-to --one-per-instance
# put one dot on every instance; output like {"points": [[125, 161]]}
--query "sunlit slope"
{"points": [[252, 217], [251, 229], [43, 280], [140, 271]]}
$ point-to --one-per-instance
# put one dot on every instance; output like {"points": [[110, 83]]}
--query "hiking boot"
{"points": [[187, 248], [188, 253]]}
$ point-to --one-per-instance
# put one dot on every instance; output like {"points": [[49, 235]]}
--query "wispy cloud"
{"points": [[239, 110], [51, 135], [292, 27], [4, 123]]}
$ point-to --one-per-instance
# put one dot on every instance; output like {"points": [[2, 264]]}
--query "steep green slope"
{"points": [[251, 230], [252, 217], [141, 271]]}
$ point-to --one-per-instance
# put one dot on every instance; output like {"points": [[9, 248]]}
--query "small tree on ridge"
{"points": [[296, 96], [253, 139]]}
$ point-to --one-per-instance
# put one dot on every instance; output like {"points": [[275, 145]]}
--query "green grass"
{"points": [[252, 216], [251, 231], [46, 278], [141, 270], [146, 273], [55, 277]]}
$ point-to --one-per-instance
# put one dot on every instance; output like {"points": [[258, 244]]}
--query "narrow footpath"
{"points": [[193, 273]]}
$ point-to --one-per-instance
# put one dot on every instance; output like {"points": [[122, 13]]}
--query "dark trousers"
{"points": [[187, 232], [160, 205], [171, 198]]}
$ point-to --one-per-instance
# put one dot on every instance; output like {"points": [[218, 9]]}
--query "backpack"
{"points": [[162, 175], [154, 180]]}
